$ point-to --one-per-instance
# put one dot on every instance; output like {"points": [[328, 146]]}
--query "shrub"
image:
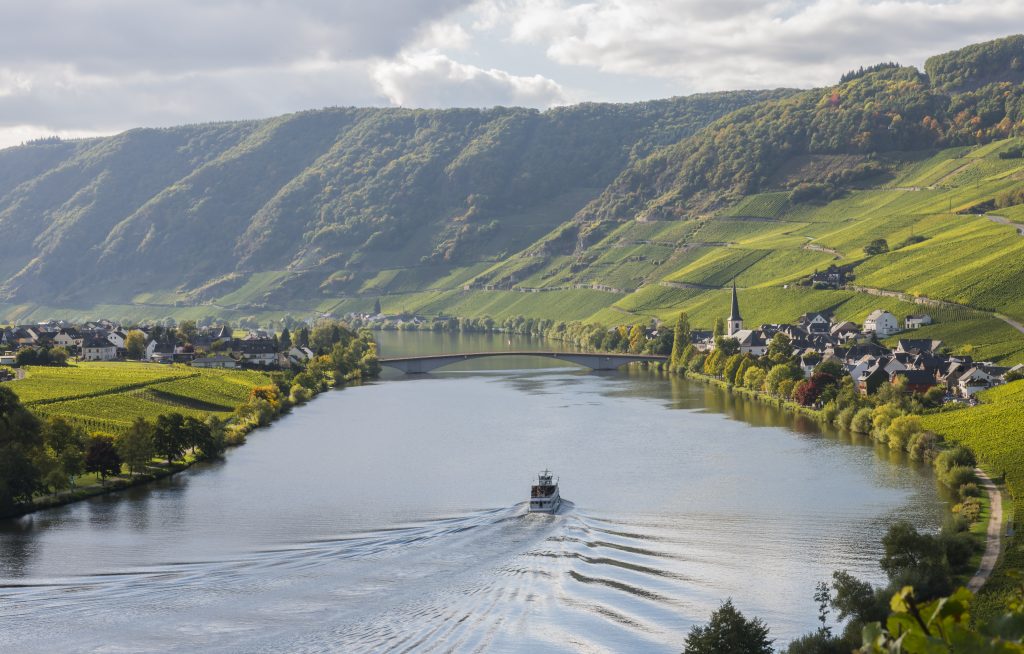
{"points": [[924, 446], [954, 457], [969, 490], [861, 422], [901, 430], [845, 417], [970, 509], [957, 476]]}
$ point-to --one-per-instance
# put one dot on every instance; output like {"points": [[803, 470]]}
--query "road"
{"points": [[993, 538]]}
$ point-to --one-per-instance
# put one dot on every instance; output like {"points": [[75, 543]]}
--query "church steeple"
{"points": [[735, 320]]}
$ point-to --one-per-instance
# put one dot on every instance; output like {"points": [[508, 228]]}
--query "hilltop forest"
{"points": [[606, 213]]}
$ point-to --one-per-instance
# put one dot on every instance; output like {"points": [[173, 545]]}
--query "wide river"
{"points": [[391, 516]]}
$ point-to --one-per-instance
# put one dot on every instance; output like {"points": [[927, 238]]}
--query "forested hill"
{"points": [[431, 211], [327, 195], [969, 96]]}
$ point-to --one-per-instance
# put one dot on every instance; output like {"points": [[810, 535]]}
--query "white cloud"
{"points": [[431, 79], [743, 43]]}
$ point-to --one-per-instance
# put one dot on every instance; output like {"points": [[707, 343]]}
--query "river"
{"points": [[391, 516]]}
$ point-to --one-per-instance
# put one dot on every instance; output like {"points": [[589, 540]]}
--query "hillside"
{"points": [[189, 213], [603, 213]]}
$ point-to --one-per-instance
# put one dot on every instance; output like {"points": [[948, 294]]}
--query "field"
{"points": [[107, 397]]}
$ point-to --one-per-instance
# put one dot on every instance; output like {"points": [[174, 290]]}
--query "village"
{"points": [[213, 346], [919, 364]]}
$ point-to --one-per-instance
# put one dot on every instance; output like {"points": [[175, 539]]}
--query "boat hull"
{"points": [[545, 505]]}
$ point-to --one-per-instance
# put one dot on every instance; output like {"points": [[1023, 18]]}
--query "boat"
{"points": [[544, 497]]}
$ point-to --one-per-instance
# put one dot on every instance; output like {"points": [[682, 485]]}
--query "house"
{"points": [[974, 380], [219, 361], [68, 337], [918, 381], [815, 323], [832, 277], [917, 346], [844, 331], [96, 349], [8, 359], [301, 354], [917, 322], [117, 338], [752, 341], [872, 377], [882, 323], [256, 351]]}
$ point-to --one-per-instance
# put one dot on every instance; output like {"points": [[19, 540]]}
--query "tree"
{"points": [[637, 338], [102, 458], [169, 436], [719, 328], [136, 445], [187, 330], [727, 346], [197, 435], [135, 344], [728, 631], [915, 559], [20, 442], [680, 339], [65, 445], [285, 340], [877, 246], [780, 349]]}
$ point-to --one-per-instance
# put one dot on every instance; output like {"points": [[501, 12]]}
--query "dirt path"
{"points": [[1005, 221], [993, 543]]}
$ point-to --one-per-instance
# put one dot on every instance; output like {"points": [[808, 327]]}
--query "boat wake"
{"points": [[502, 579]]}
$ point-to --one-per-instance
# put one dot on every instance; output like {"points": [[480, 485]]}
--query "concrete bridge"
{"points": [[593, 360]]}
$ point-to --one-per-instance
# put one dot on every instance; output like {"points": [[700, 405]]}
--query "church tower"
{"points": [[735, 321]]}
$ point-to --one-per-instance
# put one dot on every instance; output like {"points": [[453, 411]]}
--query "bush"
{"points": [[958, 456], [861, 422], [845, 417], [924, 446], [969, 490], [957, 476], [901, 430], [970, 509]]}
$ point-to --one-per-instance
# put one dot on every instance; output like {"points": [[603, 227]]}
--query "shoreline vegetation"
{"points": [[50, 457]]}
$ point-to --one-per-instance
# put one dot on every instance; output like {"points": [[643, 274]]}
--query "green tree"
{"points": [[915, 559], [197, 435], [101, 457], [728, 346], [729, 632], [187, 330], [169, 436], [65, 444], [285, 340], [637, 338], [780, 349], [877, 246], [135, 344], [680, 339], [719, 328], [20, 442], [136, 445]]}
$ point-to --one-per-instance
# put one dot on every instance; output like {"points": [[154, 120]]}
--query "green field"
{"points": [[108, 396]]}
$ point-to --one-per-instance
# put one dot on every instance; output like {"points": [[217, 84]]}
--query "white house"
{"points": [[975, 380], [98, 350], [882, 323], [68, 338], [917, 322], [150, 350], [117, 338], [752, 341]]}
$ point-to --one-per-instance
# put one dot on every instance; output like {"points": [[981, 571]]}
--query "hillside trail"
{"points": [[1005, 221], [993, 537]]}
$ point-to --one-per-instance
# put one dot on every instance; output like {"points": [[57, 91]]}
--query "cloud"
{"points": [[743, 43], [104, 36], [431, 79]]}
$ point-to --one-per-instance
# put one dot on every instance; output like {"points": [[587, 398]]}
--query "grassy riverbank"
{"points": [[994, 430]]}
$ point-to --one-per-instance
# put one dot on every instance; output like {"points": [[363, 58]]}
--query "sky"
{"points": [[91, 67]]}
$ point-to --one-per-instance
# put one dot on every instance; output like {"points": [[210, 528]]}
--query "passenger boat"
{"points": [[544, 497]]}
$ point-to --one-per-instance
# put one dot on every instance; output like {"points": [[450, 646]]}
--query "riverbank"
{"points": [[986, 532]]}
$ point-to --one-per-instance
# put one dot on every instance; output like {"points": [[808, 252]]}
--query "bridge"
{"points": [[593, 360]]}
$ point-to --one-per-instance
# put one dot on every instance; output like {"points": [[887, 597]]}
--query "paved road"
{"points": [[1004, 221], [993, 544]]}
